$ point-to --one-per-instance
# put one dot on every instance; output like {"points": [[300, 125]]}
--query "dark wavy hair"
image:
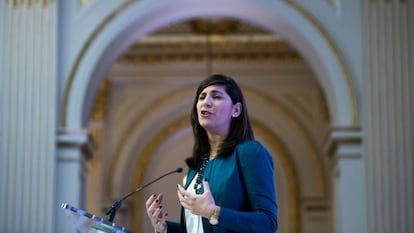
{"points": [[240, 127]]}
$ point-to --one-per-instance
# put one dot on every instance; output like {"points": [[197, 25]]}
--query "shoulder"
{"points": [[250, 145], [253, 158], [250, 150]]}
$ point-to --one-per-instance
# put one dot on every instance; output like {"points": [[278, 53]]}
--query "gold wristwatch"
{"points": [[214, 218]]}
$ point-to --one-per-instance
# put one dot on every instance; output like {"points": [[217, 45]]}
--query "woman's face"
{"points": [[215, 110]]}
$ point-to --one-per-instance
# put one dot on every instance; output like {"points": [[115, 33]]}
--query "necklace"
{"points": [[198, 185]]}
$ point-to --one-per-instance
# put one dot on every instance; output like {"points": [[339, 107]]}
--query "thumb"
{"points": [[208, 193], [206, 186]]}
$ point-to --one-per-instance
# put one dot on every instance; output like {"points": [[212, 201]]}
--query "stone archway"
{"points": [[140, 18]]}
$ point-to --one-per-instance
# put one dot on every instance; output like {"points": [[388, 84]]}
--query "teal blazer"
{"points": [[243, 186]]}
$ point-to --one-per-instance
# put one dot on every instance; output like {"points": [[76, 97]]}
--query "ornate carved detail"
{"points": [[76, 139], [29, 3], [337, 136], [332, 2], [214, 25], [171, 48]]}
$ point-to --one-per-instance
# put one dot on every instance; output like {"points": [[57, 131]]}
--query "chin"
{"points": [[205, 125]]}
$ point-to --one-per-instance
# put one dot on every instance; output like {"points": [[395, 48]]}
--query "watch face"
{"points": [[213, 221]]}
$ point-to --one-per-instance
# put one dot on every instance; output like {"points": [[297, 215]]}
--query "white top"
{"points": [[193, 222]]}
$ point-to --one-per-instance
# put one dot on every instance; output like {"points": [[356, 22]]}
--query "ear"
{"points": [[237, 109]]}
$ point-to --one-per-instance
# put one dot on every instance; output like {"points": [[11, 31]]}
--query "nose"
{"points": [[207, 102]]}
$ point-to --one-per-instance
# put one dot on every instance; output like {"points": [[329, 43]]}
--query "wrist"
{"points": [[215, 215], [162, 229]]}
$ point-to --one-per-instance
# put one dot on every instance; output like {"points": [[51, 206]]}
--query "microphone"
{"points": [[112, 211]]}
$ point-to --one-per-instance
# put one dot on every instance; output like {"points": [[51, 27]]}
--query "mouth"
{"points": [[205, 113]]}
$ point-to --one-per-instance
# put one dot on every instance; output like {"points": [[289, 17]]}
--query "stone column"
{"points": [[28, 101], [388, 111], [348, 180], [74, 148]]}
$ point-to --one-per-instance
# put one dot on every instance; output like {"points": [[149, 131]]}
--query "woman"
{"points": [[230, 184]]}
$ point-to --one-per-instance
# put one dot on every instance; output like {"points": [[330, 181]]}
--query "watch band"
{"points": [[214, 218]]}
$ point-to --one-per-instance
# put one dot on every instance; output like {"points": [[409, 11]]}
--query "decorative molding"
{"points": [[387, 1], [29, 3], [214, 25], [12, 2], [337, 136], [76, 138], [198, 48], [82, 53], [99, 104], [296, 6], [338, 54]]}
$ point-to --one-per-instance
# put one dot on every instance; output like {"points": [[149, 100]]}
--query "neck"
{"points": [[216, 137], [215, 142]]}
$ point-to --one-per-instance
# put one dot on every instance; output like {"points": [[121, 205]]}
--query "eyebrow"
{"points": [[213, 92]]}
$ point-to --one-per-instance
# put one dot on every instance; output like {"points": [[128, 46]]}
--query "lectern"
{"points": [[89, 223]]}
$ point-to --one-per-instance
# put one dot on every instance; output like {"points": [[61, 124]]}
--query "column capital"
{"points": [[338, 138], [77, 138]]}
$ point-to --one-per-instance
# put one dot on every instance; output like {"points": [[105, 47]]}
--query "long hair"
{"points": [[240, 128]]}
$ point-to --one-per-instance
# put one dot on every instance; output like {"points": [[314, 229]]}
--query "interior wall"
{"points": [[130, 21], [116, 33], [146, 133]]}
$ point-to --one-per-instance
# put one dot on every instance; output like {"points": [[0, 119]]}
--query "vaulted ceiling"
{"points": [[209, 39]]}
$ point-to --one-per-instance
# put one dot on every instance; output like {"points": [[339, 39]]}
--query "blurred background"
{"points": [[95, 98]]}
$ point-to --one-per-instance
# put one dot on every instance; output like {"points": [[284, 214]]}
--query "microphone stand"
{"points": [[112, 211]]}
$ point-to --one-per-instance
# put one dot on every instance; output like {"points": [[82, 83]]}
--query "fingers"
{"points": [[154, 201], [153, 205], [197, 204], [181, 189], [158, 220], [155, 212], [162, 216], [181, 193], [150, 200], [184, 195], [193, 202]]}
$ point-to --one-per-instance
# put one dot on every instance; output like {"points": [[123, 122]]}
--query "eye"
{"points": [[202, 96], [216, 96]]}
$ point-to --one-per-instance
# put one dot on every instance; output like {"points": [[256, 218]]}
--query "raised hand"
{"points": [[202, 205], [154, 211]]}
